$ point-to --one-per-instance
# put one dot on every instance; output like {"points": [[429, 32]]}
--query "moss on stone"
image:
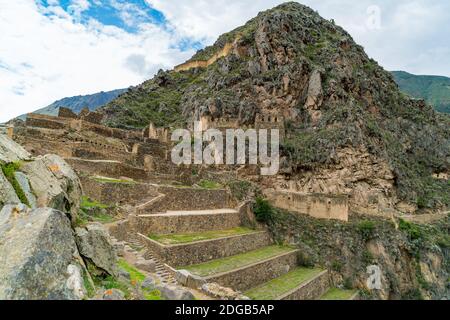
{"points": [[277, 287], [199, 236], [338, 294], [237, 261], [9, 171]]}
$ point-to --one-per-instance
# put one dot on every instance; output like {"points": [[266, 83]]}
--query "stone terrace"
{"points": [[177, 229]]}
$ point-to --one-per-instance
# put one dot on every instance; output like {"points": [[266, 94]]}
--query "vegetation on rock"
{"points": [[434, 89], [290, 61]]}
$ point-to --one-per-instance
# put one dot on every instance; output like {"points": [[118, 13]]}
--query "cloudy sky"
{"points": [[50, 49]]}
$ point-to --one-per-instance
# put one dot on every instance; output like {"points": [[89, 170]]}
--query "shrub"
{"points": [[366, 228], [413, 231], [263, 210]]}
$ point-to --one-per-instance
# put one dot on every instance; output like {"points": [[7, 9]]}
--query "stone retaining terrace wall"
{"points": [[202, 251], [106, 168], [167, 224], [185, 198], [120, 230], [117, 193], [320, 206], [311, 290], [251, 276]]}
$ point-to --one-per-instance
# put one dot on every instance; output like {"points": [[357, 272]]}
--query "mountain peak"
{"points": [[289, 61]]}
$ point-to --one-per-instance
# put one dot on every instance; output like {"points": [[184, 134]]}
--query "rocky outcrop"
{"points": [[11, 151], [46, 181], [54, 184], [7, 192], [94, 244], [290, 62], [39, 259]]}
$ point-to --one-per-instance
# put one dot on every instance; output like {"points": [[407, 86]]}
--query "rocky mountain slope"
{"points": [[434, 89], [349, 128], [92, 101]]}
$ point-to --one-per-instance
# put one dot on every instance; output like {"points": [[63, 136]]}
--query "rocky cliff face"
{"points": [[413, 259], [40, 256], [349, 128]]}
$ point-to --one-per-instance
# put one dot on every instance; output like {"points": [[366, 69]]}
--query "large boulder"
{"points": [[46, 181], [96, 247], [39, 259], [10, 151], [54, 183]]}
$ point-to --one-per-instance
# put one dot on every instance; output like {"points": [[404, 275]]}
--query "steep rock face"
{"points": [[39, 258], [412, 259], [7, 192], [95, 246], [54, 184], [46, 181], [289, 61], [11, 151]]}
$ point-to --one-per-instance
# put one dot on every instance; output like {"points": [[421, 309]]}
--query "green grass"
{"points": [[111, 282], [135, 275], [237, 261], [136, 278], [275, 288], [88, 203], [112, 180], [338, 294], [86, 213], [168, 239], [83, 218], [207, 184], [152, 294]]}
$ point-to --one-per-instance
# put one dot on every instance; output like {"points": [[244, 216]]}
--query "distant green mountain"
{"points": [[76, 104], [434, 89]]}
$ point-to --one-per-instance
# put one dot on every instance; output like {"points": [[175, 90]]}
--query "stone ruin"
{"points": [[85, 114], [262, 121]]}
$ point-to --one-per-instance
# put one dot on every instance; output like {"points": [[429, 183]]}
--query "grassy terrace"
{"points": [[338, 294], [277, 287], [112, 180], [237, 261], [192, 237]]}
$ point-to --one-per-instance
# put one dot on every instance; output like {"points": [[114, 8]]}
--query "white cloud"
{"points": [[47, 54], [44, 59], [413, 34]]}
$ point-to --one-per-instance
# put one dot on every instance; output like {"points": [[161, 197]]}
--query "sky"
{"points": [[51, 49]]}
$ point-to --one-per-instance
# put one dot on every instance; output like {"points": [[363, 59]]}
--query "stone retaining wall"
{"points": [[120, 230], [111, 169], [166, 224], [117, 193], [320, 206], [181, 198], [202, 251], [251, 276], [311, 290]]}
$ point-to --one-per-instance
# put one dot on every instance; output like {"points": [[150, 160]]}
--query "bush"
{"points": [[366, 228], [413, 231], [263, 210]]}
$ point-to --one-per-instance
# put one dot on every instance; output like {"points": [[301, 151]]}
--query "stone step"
{"points": [[340, 294], [247, 270], [298, 284], [222, 244], [188, 221]]}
